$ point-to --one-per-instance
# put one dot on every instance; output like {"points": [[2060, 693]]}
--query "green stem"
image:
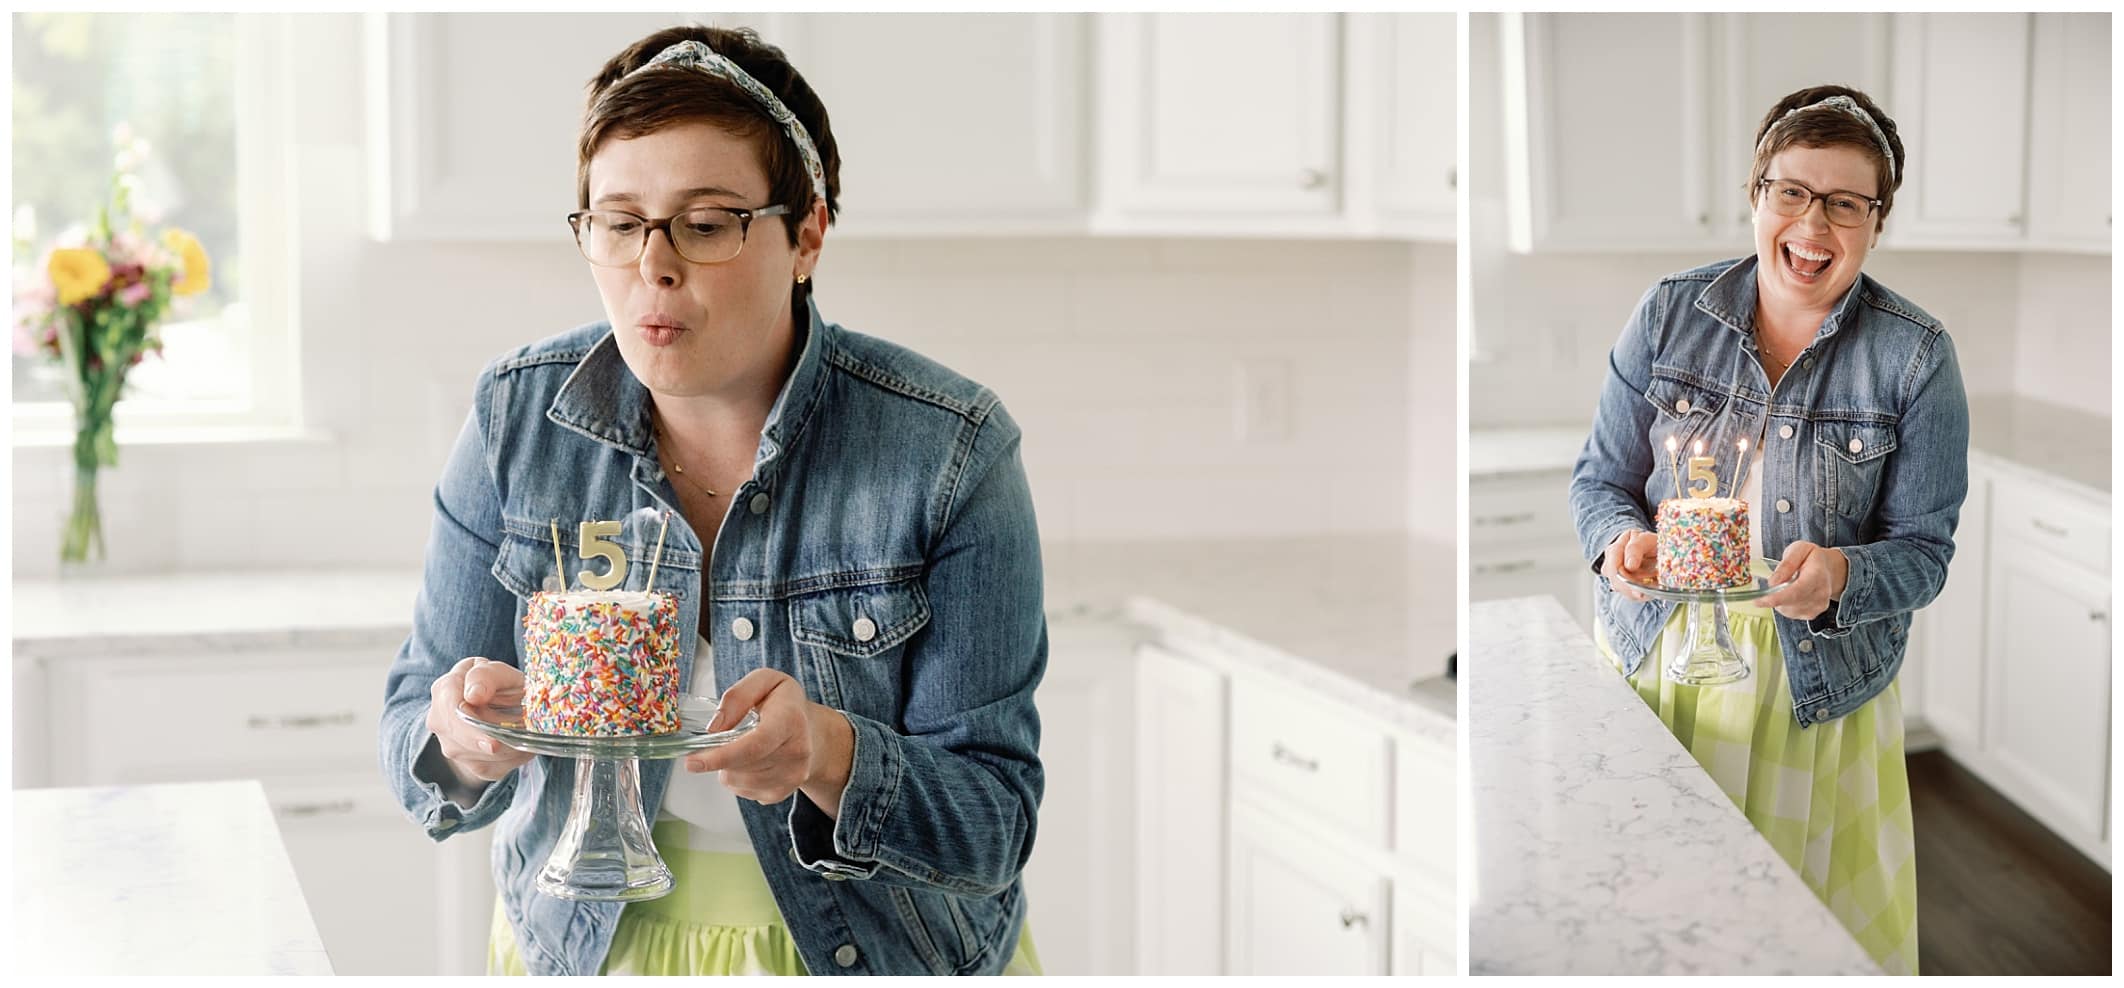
{"points": [[85, 525]]}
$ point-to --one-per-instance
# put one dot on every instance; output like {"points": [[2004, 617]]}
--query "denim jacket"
{"points": [[885, 488], [1865, 444]]}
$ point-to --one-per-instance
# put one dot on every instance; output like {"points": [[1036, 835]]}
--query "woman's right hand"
{"points": [[1633, 556], [478, 682]]}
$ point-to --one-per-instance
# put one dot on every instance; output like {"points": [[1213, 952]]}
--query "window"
{"points": [[189, 85]]}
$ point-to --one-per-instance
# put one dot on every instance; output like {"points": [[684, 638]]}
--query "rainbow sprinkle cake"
{"points": [[601, 664], [1703, 543]]}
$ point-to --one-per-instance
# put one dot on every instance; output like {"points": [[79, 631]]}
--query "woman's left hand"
{"points": [[797, 745], [1817, 576]]}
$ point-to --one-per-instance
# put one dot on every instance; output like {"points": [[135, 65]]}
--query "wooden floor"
{"points": [[1997, 893]]}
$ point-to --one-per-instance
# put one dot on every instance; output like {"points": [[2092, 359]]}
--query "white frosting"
{"points": [[630, 600]]}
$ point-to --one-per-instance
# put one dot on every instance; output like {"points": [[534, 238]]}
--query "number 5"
{"points": [[593, 535], [1702, 481]]}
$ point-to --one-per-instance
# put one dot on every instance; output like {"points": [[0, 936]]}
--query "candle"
{"points": [[1674, 467], [595, 544], [659, 556], [1703, 476], [1735, 488], [560, 566]]}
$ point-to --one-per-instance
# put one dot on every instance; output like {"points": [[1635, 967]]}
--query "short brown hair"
{"points": [[1826, 128], [623, 108]]}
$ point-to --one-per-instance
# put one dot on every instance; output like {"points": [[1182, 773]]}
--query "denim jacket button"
{"points": [[1821, 714], [1783, 506], [1682, 406], [742, 628], [1806, 646], [845, 955], [865, 629], [1856, 445], [1784, 432], [758, 505]]}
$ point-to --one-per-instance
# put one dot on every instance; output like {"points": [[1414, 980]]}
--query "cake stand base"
{"points": [[1707, 656], [604, 853]]}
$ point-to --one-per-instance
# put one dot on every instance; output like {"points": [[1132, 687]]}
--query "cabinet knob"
{"points": [[1289, 757], [1452, 178], [1352, 919], [333, 808], [2097, 616], [1312, 178], [2048, 529], [1703, 219], [2015, 219]]}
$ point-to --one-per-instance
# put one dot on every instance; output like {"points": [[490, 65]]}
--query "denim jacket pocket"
{"points": [[1853, 458], [851, 642], [524, 564]]}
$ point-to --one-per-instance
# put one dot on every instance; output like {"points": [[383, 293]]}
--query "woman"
{"points": [[851, 534], [1851, 401]]}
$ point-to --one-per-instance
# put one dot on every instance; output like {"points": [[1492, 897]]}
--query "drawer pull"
{"points": [[1289, 757], [1514, 519], [1351, 919], [333, 808], [2098, 616], [2048, 529], [1496, 569], [344, 718]]}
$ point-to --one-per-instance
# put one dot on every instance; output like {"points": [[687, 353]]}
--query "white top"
{"points": [[1752, 492], [698, 799]]}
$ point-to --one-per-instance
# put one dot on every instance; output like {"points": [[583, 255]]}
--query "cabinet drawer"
{"points": [[1311, 757], [1424, 806], [2068, 526], [268, 714], [1522, 508]]}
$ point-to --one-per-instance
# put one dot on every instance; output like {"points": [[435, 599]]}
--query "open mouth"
{"points": [[1803, 262]]}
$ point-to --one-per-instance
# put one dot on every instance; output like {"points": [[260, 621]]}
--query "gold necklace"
{"points": [[657, 424]]}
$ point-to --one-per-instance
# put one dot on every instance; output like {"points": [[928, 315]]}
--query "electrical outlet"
{"points": [[1263, 400]]}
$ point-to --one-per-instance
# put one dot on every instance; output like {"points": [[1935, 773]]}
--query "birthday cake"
{"points": [[601, 663], [1703, 543]]}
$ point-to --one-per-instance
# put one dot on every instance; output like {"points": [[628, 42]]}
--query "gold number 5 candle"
{"points": [[594, 537], [1703, 476]]}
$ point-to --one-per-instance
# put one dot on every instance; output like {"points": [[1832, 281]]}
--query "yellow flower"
{"points": [[78, 273], [197, 275]]}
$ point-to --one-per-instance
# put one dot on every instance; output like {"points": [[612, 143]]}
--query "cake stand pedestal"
{"points": [[604, 853], [1707, 656]]}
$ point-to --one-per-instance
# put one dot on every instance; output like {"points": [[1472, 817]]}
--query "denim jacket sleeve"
{"points": [[950, 805], [1921, 500], [1608, 483], [461, 610]]}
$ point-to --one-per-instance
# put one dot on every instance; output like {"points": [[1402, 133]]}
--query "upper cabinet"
{"points": [[2004, 119], [965, 124]]}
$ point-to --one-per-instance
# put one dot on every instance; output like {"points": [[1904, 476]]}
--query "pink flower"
{"points": [[136, 293]]}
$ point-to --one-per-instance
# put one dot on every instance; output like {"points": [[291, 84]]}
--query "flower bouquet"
{"points": [[93, 304]]}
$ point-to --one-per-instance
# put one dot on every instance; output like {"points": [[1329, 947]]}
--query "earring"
{"points": [[802, 278]]}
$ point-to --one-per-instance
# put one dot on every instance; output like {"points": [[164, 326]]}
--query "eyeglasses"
{"points": [[709, 235], [1789, 198]]}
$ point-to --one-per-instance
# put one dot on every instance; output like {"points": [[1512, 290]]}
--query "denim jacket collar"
{"points": [[604, 401], [1730, 298]]}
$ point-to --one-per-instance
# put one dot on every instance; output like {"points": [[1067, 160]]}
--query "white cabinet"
{"points": [[1960, 101], [1949, 642], [2048, 672], [1079, 885], [1300, 908], [1424, 928], [949, 123], [1522, 542], [2068, 133], [1180, 806], [1405, 68], [1767, 57], [1213, 116]]}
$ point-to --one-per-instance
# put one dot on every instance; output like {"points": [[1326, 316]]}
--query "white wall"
{"points": [[2063, 331], [1117, 357]]}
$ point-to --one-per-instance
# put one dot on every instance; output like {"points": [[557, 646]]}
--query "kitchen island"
{"points": [[1600, 846], [160, 879]]}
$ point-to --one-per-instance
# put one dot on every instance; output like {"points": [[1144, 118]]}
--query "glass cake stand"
{"points": [[604, 853], [1707, 656]]}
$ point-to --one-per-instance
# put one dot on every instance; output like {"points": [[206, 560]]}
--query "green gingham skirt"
{"points": [[1833, 799]]}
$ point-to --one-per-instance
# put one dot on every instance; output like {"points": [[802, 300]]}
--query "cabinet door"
{"points": [[1181, 788], [1953, 635], [1416, 126], [373, 882], [1300, 908], [1209, 117], [1959, 99], [1424, 930], [2068, 133], [467, 142], [950, 122], [1079, 885], [1606, 121], [32, 699], [2048, 699], [1768, 56]]}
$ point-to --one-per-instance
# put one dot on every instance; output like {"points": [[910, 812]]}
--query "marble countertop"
{"points": [[1600, 846], [1360, 617], [1366, 620], [2044, 441], [162, 879]]}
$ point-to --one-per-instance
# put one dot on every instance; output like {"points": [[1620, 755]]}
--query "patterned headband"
{"points": [[1843, 104], [693, 54]]}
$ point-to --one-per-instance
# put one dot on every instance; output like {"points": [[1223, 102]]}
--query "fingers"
{"points": [[1795, 560], [748, 693], [489, 683], [1625, 559], [465, 746]]}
